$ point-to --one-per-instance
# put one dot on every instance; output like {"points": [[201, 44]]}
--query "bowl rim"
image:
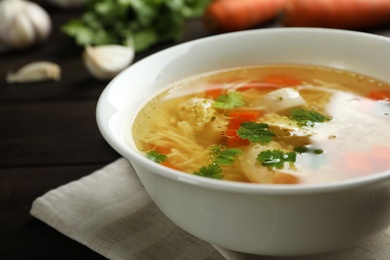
{"points": [[225, 185]]}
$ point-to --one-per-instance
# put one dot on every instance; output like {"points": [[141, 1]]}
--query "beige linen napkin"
{"points": [[110, 212]]}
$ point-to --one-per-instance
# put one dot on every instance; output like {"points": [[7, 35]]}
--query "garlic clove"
{"points": [[106, 61], [35, 72]]}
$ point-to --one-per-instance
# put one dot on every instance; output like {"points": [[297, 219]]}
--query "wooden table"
{"points": [[49, 137]]}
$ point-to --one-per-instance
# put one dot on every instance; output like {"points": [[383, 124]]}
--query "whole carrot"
{"points": [[234, 15], [341, 14]]}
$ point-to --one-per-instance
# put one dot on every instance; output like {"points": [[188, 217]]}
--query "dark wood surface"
{"points": [[49, 137]]}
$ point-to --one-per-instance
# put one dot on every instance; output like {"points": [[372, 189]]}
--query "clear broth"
{"points": [[354, 142]]}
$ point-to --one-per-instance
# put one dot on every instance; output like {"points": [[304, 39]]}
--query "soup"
{"points": [[283, 124]]}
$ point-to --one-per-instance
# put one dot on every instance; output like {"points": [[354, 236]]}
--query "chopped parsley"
{"points": [[220, 156], [212, 170], [224, 156], [276, 158], [229, 101], [305, 149], [156, 156], [306, 117], [255, 132]]}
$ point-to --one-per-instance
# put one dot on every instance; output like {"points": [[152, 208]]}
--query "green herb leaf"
{"points": [[276, 158], [225, 156], [301, 149], [146, 22], [156, 156], [229, 101], [212, 170], [306, 117], [305, 149], [255, 132]]}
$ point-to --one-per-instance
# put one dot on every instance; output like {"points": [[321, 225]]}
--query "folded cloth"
{"points": [[110, 212]]}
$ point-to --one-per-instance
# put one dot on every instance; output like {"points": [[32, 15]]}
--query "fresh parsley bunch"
{"points": [[137, 23]]}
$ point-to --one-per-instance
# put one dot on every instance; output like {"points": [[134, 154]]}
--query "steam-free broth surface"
{"points": [[284, 124]]}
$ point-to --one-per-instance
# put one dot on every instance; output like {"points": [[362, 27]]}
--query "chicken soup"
{"points": [[283, 124]]}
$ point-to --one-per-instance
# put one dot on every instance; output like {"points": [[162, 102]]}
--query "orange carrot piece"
{"points": [[233, 140], [342, 14], [234, 15], [282, 81], [163, 150], [168, 164], [380, 95], [249, 115], [214, 93], [358, 163], [240, 116], [160, 149], [237, 118]]}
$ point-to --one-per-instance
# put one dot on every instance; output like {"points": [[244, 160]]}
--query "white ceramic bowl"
{"points": [[254, 218]]}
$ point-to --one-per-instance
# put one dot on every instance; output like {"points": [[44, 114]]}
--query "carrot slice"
{"points": [[282, 81], [214, 92], [380, 95], [233, 140], [240, 116], [237, 118], [160, 149], [169, 165]]}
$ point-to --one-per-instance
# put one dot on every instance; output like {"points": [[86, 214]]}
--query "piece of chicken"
{"points": [[279, 100], [257, 173], [197, 111], [208, 124], [288, 132]]}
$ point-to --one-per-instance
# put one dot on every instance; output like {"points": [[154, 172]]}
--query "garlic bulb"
{"points": [[106, 61], [23, 23], [67, 4], [35, 72]]}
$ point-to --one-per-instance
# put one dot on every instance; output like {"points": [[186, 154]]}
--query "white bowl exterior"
{"points": [[259, 220], [268, 224]]}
